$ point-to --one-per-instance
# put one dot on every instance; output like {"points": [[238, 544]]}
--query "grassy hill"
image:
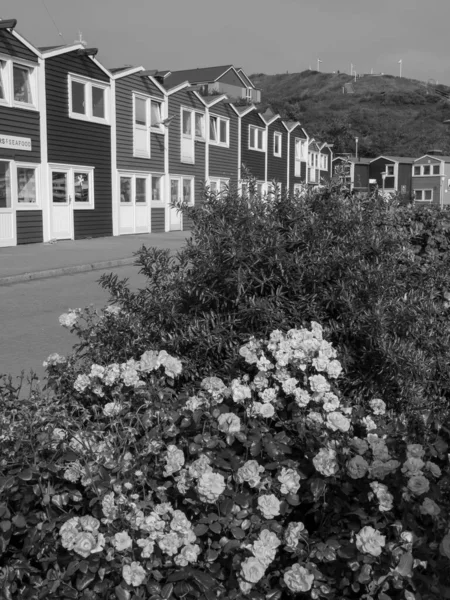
{"points": [[390, 115]]}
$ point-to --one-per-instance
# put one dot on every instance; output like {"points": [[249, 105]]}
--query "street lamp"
{"points": [[441, 194], [384, 175], [356, 144]]}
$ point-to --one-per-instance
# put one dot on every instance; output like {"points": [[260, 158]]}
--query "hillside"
{"points": [[390, 115]]}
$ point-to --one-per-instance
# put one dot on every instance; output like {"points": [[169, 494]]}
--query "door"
{"points": [[62, 211], [175, 215], [134, 206], [187, 136]]}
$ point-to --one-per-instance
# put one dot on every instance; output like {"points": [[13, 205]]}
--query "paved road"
{"points": [[30, 330]]}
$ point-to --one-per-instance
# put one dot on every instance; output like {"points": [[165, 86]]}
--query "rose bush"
{"points": [[271, 484]]}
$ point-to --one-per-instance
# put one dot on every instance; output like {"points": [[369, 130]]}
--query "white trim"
{"points": [[264, 138], [277, 135], [206, 143], [25, 42], [63, 50], [217, 142], [158, 85], [19, 164], [266, 157], [45, 187], [288, 170], [52, 166], [114, 186], [239, 162], [125, 72], [178, 88], [184, 158], [423, 199], [166, 180], [88, 100], [8, 82]]}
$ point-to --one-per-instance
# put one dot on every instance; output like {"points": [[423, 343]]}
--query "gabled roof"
{"points": [[49, 48], [434, 156], [353, 159], [201, 75], [313, 145], [397, 159], [115, 70], [244, 109], [244, 76]]}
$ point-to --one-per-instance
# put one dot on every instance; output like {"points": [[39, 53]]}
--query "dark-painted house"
{"points": [[392, 173], [277, 152], [431, 180], [186, 151], [139, 141], [325, 162], [222, 144], [78, 139], [253, 146], [297, 164], [354, 172], [21, 104]]}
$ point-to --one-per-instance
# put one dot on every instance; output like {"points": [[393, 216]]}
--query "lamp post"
{"points": [[356, 150], [441, 194], [400, 62], [384, 175], [318, 64]]}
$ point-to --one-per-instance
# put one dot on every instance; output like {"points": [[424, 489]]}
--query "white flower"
{"points": [[170, 543], [214, 386], [336, 421], [250, 472], [429, 507], [289, 385], [325, 462], [433, 468], [385, 499], [370, 541], [111, 409], [319, 384], [252, 570], [122, 541], [298, 579], [314, 418], [180, 523], [229, 423], [112, 374], [54, 359], [174, 460], [293, 534], [81, 383], [149, 361], [264, 364], [369, 423], [418, 485], [269, 506], [86, 544], [147, 546], [415, 450], [188, 554], [199, 466], [413, 466], [210, 486], [97, 371], [360, 445], [89, 523], [302, 397], [330, 402], [379, 469], [265, 547], [334, 369], [193, 403], [133, 574], [357, 467], [172, 365], [378, 406], [129, 375], [290, 481], [268, 395], [108, 507], [378, 446], [266, 411], [68, 319], [240, 392], [112, 309]]}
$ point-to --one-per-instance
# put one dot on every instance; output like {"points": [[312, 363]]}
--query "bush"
{"points": [[265, 486], [375, 273]]}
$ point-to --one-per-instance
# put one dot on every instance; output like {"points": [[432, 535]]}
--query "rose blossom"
{"points": [[81, 383], [249, 472], [415, 450], [229, 423], [293, 534], [199, 466], [334, 369], [252, 570], [210, 486], [385, 499], [433, 468], [265, 547], [86, 544], [379, 469], [188, 554], [325, 462], [122, 541], [180, 522], [369, 541], [336, 421], [147, 546], [269, 506], [290, 481], [68, 319], [133, 574], [240, 392], [378, 406], [111, 409], [413, 466], [330, 402], [418, 484], [169, 543], [357, 467], [266, 411], [298, 579], [369, 423], [361, 446], [429, 507], [318, 383], [89, 523], [174, 459], [302, 397]]}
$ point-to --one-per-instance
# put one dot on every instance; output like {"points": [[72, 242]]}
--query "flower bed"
{"points": [[269, 485]]}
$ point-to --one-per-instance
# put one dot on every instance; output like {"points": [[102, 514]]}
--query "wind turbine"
{"points": [[318, 64]]}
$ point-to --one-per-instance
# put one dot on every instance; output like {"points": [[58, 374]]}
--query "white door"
{"points": [[126, 205], [141, 205], [62, 211], [7, 214], [134, 205], [175, 215], [187, 136]]}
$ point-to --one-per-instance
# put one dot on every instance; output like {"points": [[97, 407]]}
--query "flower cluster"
{"points": [[81, 535]]}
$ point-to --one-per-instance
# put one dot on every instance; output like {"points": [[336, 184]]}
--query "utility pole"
{"points": [[318, 64], [400, 62]]}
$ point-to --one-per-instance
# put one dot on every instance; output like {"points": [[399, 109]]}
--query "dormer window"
{"points": [[22, 85], [88, 100], [17, 84]]}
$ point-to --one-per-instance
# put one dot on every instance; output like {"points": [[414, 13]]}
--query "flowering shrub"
{"points": [[272, 484]]}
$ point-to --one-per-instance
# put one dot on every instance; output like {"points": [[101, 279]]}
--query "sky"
{"points": [[261, 36]]}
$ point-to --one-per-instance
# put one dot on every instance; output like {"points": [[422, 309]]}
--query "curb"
{"points": [[107, 264]]}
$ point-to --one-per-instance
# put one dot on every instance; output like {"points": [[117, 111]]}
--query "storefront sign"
{"points": [[15, 143]]}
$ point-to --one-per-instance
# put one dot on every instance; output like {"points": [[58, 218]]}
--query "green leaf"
{"points": [[85, 580], [238, 533], [230, 546], [201, 529], [226, 506], [121, 593], [173, 577], [216, 527], [72, 568], [19, 521], [204, 580], [5, 525], [166, 591]]}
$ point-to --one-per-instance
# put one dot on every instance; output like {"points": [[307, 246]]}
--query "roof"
{"points": [[200, 75], [398, 159], [118, 69], [48, 48], [435, 157], [353, 159]]}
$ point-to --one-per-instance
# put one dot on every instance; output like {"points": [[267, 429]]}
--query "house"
{"points": [[353, 171], [139, 152], [253, 148], [392, 173], [431, 180], [297, 151], [325, 162], [77, 184], [277, 152], [215, 80], [313, 162], [21, 132]]}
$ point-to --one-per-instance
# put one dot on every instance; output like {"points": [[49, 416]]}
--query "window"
{"points": [[390, 170], [428, 195], [82, 187], [426, 169], [140, 195], [87, 100], [22, 84], [141, 138], [26, 185], [2, 80], [219, 186], [436, 169], [5, 185], [277, 138], [424, 195], [17, 84], [199, 126], [157, 195], [260, 189], [416, 170], [187, 191], [323, 160], [256, 138], [155, 114], [219, 131], [125, 190]]}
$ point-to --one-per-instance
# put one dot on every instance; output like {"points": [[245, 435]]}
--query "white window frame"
{"points": [[218, 119], [419, 167], [138, 153], [277, 141], [7, 71], [158, 128], [390, 170], [438, 166], [422, 193], [220, 182], [13, 186], [423, 171], [201, 137], [89, 84], [161, 201], [263, 138], [83, 205], [15, 199], [192, 180]]}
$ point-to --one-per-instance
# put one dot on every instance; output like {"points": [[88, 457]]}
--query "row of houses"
{"points": [[87, 151], [425, 180]]}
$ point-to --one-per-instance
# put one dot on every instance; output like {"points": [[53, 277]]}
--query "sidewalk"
{"points": [[65, 257]]}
